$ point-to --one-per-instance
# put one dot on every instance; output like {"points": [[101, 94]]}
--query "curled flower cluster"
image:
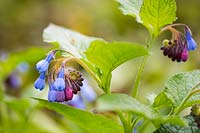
{"points": [[180, 44], [63, 81]]}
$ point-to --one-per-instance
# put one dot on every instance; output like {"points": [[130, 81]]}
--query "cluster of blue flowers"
{"points": [[63, 81], [180, 44]]}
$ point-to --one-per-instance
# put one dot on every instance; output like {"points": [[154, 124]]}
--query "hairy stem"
{"points": [[86, 68], [126, 124], [141, 69]]}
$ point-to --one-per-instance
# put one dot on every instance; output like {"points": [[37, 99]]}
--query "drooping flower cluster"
{"points": [[63, 81], [180, 44]]}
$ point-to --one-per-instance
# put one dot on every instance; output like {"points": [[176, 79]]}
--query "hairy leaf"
{"points": [[92, 123], [172, 128], [157, 13], [179, 87], [71, 41], [108, 56], [131, 7], [123, 102]]}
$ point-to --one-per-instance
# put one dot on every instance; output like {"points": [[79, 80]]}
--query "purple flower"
{"points": [[184, 55], [59, 83], [13, 81], [77, 102], [43, 65], [40, 82], [175, 49], [52, 93], [190, 41], [69, 93], [87, 92], [60, 96]]}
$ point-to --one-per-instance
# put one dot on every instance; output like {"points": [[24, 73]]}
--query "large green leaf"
{"points": [[92, 123], [108, 56], [71, 41], [157, 13], [131, 7], [123, 102], [180, 86], [153, 14]]}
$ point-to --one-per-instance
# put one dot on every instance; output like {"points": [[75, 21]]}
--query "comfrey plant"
{"points": [[99, 58]]}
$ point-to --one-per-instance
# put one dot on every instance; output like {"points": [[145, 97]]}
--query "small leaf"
{"points": [[162, 101], [71, 41], [108, 56], [131, 7], [123, 102], [157, 13], [92, 123], [181, 85]]}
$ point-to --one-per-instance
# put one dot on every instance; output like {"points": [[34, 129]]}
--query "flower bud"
{"points": [[40, 82]]}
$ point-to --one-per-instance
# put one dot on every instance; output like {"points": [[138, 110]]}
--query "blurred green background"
{"points": [[21, 26]]}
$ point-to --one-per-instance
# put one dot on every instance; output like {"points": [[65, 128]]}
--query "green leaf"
{"points": [[71, 41], [18, 105], [157, 13], [161, 101], [172, 128], [179, 87], [123, 102], [92, 123], [131, 7], [108, 56], [176, 120]]}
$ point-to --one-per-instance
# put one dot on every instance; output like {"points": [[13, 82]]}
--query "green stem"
{"points": [[179, 109], [4, 117], [141, 69], [85, 66], [126, 124], [135, 122]]}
